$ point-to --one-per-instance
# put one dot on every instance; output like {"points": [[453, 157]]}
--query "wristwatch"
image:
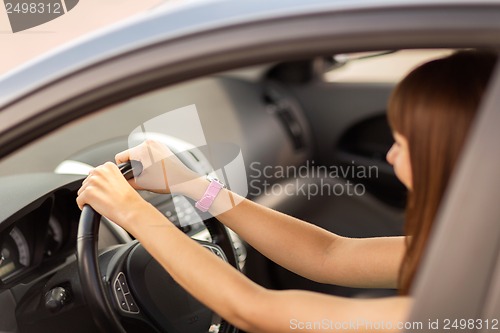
{"points": [[210, 194]]}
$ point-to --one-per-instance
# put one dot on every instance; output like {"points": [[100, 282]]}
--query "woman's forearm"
{"points": [[213, 282], [237, 299], [294, 244], [304, 248]]}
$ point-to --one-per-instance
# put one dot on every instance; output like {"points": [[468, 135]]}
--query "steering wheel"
{"points": [[127, 290]]}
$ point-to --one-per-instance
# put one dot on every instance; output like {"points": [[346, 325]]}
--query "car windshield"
{"points": [[112, 126]]}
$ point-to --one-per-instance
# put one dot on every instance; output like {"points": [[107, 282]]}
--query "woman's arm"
{"points": [[242, 302], [299, 246], [304, 248], [218, 285]]}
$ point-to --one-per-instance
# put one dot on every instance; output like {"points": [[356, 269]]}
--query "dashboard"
{"points": [[42, 234]]}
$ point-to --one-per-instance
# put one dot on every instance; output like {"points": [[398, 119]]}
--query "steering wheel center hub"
{"points": [[163, 299]]}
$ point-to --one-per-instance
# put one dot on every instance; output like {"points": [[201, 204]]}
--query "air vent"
{"points": [[282, 108]]}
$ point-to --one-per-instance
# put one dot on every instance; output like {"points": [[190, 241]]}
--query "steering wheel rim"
{"points": [[92, 281], [90, 273]]}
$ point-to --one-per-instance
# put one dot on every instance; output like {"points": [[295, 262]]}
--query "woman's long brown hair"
{"points": [[433, 108]]}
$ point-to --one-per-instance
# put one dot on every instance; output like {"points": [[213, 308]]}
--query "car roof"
{"points": [[169, 22]]}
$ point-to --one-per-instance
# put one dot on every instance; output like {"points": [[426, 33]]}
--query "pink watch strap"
{"points": [[209, 196]]}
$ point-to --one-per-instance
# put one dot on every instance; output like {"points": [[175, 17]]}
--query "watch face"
{"points": [[214, 181]]}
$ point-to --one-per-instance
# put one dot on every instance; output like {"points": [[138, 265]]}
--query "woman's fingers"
{"points": [[85, 182], [159, 162], [134, 153], [123, 156], [107, 191], [148, 153], [98, 179], [81, 199]]}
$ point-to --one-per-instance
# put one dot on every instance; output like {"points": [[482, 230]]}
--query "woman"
{"points": [[430, 113]]}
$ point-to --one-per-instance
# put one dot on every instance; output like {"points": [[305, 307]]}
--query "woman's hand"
{"points": [[163, 171], [107, 191]]}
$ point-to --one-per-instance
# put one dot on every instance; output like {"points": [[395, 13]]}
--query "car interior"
{"points": [[324, 116]]}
